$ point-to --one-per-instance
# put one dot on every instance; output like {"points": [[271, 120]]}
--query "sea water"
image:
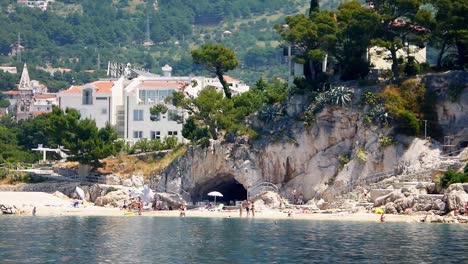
{"points": [[226, 240]]}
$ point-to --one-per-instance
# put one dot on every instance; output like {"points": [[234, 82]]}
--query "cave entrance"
{"points": [[225, 184]]}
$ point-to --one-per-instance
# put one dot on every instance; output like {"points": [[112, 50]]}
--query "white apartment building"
{"points": [[126, 104], [98, 100], [43, 103]]}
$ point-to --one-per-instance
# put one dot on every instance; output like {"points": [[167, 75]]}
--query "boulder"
{"points": [[113, 180], [171, 200], [138, 181], [127, 183], [456, 199], [270, 199], [403, 203], [114, 198], [391, 197], [390, 208], [60, 195]]}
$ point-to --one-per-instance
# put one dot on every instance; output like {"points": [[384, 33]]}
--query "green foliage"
{"points": [[217, 59], [452, 176], [343, 159], [450, 32], [353, 20], [362, 155], [409, 103], [212, 112], [156, 110], [412, 68], [82, 138], [386, 141]]}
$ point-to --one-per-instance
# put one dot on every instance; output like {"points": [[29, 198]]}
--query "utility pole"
{"points": [[425, 129]]}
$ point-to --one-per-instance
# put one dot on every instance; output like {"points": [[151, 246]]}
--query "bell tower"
{"points": [[25, 97]]}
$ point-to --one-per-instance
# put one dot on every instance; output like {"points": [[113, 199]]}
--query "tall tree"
{"points": [[451, 30], [218, 59], [357, 26], [313, 37], [82, 138], [399, 19], [314, 7]]}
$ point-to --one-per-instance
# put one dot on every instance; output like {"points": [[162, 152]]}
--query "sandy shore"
{"points": [[49, 205]]}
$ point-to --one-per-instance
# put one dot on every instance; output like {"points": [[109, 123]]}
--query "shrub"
{"points": [[409, 124], [452, 176], [362, 155], [386, 141], [343, 159]]}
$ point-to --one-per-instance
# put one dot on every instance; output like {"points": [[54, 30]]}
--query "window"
{"points": [[172, 133], [137, 134], [137, 115], [173, 115], [101, 98], [87, 96], [155, 117], [155, 135]]}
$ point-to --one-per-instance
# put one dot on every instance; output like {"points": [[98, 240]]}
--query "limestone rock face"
{"points": [[269, 199], [306, 159], [114, 198], [456, 197], [170, 200], [137, 181], [127, 183]]}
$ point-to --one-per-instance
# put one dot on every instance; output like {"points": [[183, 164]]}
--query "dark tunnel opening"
{"points": [[231, 190]]}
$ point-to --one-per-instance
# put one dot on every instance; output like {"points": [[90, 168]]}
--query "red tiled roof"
{"points": [[11, 92], [36, 113], [73, 89], [45, 96], [103, 86]]}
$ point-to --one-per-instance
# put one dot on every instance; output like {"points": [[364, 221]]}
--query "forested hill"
{"points": [[85, 34]]}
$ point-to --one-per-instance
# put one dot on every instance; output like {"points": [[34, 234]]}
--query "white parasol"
{"points": [[215, 194]]}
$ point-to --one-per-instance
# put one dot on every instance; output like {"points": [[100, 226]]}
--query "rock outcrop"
{"points": [[307, 159]]}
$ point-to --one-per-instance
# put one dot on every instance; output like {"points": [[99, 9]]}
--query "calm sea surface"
{"points": [[229, 240]]}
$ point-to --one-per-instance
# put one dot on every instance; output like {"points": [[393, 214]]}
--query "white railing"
{"points": [[261, 188]]}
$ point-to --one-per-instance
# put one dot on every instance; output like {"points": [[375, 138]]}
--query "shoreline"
{"points": [[48, 205]]}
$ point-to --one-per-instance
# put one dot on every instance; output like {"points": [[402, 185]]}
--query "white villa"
{"points": [[126, 104], [380, 57]]}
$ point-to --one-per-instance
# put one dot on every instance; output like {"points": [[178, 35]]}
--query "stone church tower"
{"points": [[25, 96]]}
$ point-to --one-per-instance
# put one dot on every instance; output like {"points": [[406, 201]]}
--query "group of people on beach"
{"points": [[299, 200], [135, 204], [248, 206]]}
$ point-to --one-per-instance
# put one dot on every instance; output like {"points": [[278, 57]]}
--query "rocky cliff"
{"points": [[312, 159]]}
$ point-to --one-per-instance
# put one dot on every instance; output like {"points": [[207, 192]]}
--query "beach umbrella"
{"points": [[378, 210], [80, 193], [215, 194]]}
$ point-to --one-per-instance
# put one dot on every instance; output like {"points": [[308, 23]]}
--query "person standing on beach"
{"points": [[140, 205], [247, 207], [34, 211], [253, 210], [241, 209]]}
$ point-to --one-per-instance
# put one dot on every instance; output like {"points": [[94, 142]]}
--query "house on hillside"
{"points": [[99, 100], [34, 4], [125, 103], [44, 102], [9, 69]]}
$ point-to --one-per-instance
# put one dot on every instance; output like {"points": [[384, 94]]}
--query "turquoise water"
{"points": [[225, 240]]}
